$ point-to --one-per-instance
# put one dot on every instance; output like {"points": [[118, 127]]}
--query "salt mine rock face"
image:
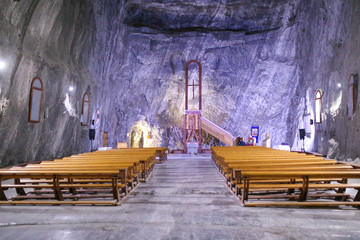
{"points": [[262, 63], [249, 73], [328, 55], [51, 40]]}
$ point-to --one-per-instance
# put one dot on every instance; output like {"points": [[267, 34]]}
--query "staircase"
{"points": [[216, 131]]}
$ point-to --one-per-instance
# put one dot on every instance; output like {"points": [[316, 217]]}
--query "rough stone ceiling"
{"points": [[248, 16]]}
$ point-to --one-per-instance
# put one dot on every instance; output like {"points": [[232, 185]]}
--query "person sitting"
{"points": [[251, 142], [241, 141]]}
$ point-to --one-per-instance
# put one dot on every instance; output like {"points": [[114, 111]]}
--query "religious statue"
{"points": [[267, 141]]}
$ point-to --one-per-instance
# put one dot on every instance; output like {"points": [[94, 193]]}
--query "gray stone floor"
{"points": [[184, 198]]}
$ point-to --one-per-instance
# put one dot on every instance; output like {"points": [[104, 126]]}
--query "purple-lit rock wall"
{"points": [[248, 56], [328, 53], [262, 62], [51, 40]]}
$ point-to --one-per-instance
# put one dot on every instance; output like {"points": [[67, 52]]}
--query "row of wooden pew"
{"points": [[96, 178], [267, 177]]}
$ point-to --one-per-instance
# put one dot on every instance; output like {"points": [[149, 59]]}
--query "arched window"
{"points": [[85, 110], [353, 94], [318, 97], [35, 100]]}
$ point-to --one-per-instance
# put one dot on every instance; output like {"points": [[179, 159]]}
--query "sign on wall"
{"points": [[255, 133]]}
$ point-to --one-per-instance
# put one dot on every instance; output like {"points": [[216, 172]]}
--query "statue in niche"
{"points": [[267, 141], [132, 139], [137, 138], [141, 141]]}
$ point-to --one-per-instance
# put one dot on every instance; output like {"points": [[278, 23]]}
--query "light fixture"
{"points": [[339, 85], [2, 65], [340, 42], [71, 88]]}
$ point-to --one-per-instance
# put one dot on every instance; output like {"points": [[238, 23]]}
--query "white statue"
{"points": [[267, 141]]}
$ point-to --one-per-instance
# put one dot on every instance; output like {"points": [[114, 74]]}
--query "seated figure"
{"points": [[251, 142], [240, 141], [267, 141]]}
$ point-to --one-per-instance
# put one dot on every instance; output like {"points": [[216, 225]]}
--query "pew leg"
{"points": [[131, 183], [291, 190], [245, 191], [341, 190], [19, 191], [2, 194], [126, 190], [143, 171], [237, 191], [304, 190], [72, 190], [242, 196], [57, 189], [115, 188], [135, 181]]}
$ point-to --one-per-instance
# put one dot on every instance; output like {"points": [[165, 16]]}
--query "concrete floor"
{"points": [[184, 198]]}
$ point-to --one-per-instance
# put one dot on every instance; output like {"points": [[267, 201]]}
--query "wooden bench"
{"points": [[256, 173], [143, 158], [235, 176], [97, 175], [232, 168], [306, 175], [115, 177], [130, 178], [272, 163], [160, 152], [140, 168]]}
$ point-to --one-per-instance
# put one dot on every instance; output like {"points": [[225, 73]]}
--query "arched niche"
{"points": [[36, 92], [85, 110], [318, 103]]}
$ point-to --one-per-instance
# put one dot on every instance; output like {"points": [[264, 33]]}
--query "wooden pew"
{"points": [[306, 175], [92, 176], [230, 168], [100, 174], [143, 158], [274, 174]]}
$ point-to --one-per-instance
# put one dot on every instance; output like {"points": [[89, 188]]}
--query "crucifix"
{"points": [[192, 121]]}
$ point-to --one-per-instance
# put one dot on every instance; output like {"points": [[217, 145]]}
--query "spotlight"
{"points": [[2, 65], [71, 88], [339, 85]]}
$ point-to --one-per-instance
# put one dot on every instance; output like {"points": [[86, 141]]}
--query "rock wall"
{"points": [[248, 59], [262, 62], [329, 53], [51, 40]]}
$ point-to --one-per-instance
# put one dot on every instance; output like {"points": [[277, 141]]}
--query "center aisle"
{"points": [[185, 179]]}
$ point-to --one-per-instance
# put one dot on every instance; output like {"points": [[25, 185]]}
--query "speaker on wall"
{"points": [[302, 134]]}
